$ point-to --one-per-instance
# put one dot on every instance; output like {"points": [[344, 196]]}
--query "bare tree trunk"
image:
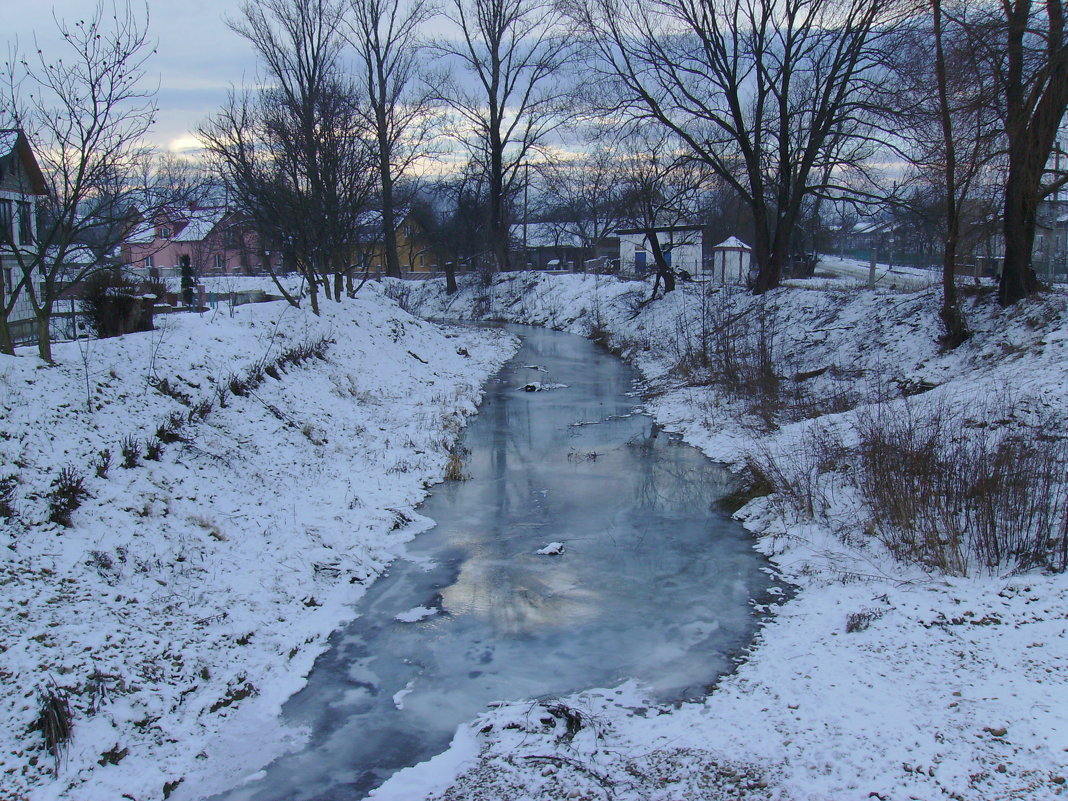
{"points": [[769, 262], [1018, 279], [1034, 108], [663, 269], [389, 224], [385, 172], [450, 278], [498, 224], [44, 338], [956, 330], [7, 344]]}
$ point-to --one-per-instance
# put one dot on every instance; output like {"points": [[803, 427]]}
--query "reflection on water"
{"points": [[654, 583]]}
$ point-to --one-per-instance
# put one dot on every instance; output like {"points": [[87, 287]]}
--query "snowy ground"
{"points": [[877, 679], [190, 594]]}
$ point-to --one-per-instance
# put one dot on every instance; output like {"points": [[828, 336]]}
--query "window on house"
{"points": [[6, 231], [25, 223], [220, 262], [149, 262], [164, 233], [639, 259], [9, 279]]}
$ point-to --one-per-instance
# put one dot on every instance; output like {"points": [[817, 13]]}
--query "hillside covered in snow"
{"points": [[882, 475], [189, 513]]}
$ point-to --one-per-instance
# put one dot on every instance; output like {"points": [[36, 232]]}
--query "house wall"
{"points": [[413, 252], [21, 318], [685, 248], [165, 255]]}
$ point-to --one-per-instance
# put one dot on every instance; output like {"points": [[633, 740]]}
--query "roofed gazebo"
{"points": [[730, 261]]}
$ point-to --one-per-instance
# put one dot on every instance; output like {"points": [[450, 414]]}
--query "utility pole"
{"points": [[526, 221], [1053, 245]]}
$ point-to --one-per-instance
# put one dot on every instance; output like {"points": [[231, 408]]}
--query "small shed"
{"points": [[680, 244], [730, 261]]}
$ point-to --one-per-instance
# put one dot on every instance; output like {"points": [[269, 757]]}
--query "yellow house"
{"points": [[415, 251]]}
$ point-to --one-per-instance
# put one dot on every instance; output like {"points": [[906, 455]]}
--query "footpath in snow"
{"points": [[246, 473], [878, 678]]}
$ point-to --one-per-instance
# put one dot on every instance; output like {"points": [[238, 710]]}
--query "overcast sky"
{"points": [[198, 57]]}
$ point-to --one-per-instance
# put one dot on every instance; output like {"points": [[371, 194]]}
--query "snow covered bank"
{"points": [[191, 592], [879, 679]]}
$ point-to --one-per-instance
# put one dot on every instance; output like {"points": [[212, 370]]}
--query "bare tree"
{"points": [[1029, 56], [773, 95], [385, 34], [461, 231], [662, 188], [589, 192], [953, 137], [515, 51], [295, 156], [85, 113]]}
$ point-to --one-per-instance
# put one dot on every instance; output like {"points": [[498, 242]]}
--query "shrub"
{"points": [[164, 387], [131, 451], [237, 384], [734, 346], [454, 468], [171, 430], [113, 305], [8, 484], [153, 449], [102, 463], [799, 471], [67, 493], [199, 410], [940, 486], [54, 720], [951, 494], [859, 621]]}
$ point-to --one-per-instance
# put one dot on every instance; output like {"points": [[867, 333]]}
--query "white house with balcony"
{"points": [[21, 186]]}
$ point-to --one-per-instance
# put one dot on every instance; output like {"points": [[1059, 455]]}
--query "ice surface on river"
{"points": [[656, 584]]}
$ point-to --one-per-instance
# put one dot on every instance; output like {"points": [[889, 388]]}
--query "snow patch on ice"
{"points": [[416, 614]]}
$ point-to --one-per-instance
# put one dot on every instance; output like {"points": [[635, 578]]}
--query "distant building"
{"points": [[21, 187], [216, 240], [559, 246], [416, 252], [681, 245]]}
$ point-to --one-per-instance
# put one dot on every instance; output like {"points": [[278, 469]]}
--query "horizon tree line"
{"points": [[790, 106]]}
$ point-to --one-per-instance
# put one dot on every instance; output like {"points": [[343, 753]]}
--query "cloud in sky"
{"points": [[197, 57]]}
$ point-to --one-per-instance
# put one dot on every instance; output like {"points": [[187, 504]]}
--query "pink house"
{"points": [[216, 241]]}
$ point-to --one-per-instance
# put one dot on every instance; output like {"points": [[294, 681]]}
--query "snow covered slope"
{"points": [[190, 594], [877, 679]]}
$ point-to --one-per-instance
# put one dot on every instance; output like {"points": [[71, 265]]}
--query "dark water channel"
{"points": [[654, 584]]}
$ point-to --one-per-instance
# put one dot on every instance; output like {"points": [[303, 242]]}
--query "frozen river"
{"points": [[654, 583]]}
